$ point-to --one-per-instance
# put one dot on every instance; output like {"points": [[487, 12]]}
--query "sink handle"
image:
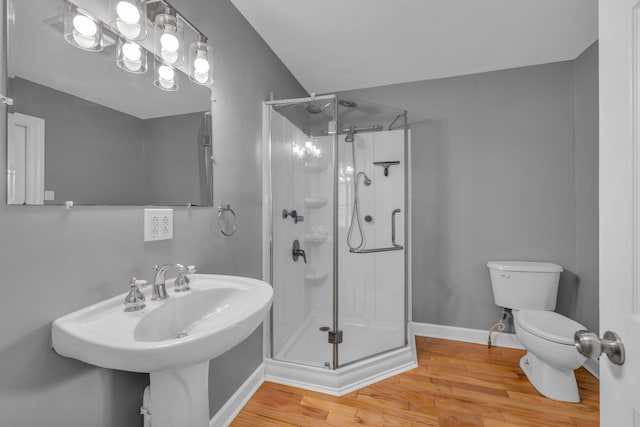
{"points": [[134, 300], [182, 281]]}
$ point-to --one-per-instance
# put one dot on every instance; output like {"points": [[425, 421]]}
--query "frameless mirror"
{"points": [[82, 129]]}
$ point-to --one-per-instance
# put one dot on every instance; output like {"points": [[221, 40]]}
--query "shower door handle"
{"points": [[393, 227]]}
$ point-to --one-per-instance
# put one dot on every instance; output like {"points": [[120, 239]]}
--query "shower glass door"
{"points": [[302, 230], [371, 223]]}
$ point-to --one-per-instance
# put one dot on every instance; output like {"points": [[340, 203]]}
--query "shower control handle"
{"points": [[296, 252], [293, 214]]}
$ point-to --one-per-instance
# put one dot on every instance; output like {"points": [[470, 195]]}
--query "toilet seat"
{"points": [[548, 325]]}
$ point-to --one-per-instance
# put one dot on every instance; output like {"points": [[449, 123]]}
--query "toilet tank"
{"points": [[524, 284]]}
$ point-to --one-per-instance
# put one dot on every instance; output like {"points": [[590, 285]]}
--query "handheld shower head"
{"points": [[349, 137], [350, 132]]}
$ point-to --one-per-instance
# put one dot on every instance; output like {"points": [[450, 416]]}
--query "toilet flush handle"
{"points": [[505, 275], [589, 345]]}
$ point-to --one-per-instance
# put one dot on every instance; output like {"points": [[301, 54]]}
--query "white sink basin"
{"points": [[183, 330]]}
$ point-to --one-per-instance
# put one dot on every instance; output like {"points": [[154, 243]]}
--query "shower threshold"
{"points": [[303, 360]]}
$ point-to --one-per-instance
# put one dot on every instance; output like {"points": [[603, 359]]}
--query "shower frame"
{"points": [[268, 266]]}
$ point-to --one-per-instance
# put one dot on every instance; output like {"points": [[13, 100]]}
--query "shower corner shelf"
{"points": [[315, 166], [312, 276], [316, 237], [315, 202]]}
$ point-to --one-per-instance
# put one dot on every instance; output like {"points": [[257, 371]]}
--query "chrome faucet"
{"points": [[159, 289]]}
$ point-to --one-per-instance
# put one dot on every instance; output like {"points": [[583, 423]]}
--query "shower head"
{"points": [[347, 103], [314, 109], [367, 180]]}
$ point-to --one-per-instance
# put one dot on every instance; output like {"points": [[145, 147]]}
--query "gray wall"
{"points": [[56, 261], [585, 83], [494, 178]]}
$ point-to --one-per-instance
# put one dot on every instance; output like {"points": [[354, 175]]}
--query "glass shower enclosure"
{"points": [[337, 222]]}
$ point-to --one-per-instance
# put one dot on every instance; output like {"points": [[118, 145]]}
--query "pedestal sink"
{"points": [[172, 339]]}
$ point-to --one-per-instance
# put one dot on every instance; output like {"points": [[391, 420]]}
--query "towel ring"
{"points": [[221, 210]]}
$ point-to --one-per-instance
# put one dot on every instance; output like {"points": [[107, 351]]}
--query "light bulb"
{"points": [[128, 12], [169, 57], [201, 78], [130, 31], [166, 73], [84, 42], [131, 51], [169, 42], [85, 25], [201, 65]]}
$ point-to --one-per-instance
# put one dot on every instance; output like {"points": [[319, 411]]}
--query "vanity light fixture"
{"points": [[168, 37], [166, 77], [81, 29], [131, 57], [201, 61], [129, 18]]}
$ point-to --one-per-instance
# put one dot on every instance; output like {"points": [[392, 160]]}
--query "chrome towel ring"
{"points": [[221, 210]]}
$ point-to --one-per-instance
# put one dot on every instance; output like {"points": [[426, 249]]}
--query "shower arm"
{"points": [[374, 128], [353, 129]]}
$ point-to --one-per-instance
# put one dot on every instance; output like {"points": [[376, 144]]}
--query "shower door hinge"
{"points": [[335, 337]]}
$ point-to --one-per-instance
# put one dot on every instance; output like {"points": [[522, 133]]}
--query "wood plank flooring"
{"points": [[456, 384]]}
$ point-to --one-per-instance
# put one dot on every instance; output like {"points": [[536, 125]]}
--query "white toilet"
{"points": [[530, 289]]}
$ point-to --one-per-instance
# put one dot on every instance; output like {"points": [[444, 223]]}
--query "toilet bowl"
{"points": [[530, 290], [551, 355]]}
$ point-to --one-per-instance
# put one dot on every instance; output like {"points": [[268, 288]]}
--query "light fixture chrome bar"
{"points": [[182, 18]]}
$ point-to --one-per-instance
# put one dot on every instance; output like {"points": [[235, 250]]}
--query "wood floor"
{"points": [[456, 384]]}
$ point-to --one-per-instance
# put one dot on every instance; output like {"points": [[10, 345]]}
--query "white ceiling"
{"points": [[334, 45]]}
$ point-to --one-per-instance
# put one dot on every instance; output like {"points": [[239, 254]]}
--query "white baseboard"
{"points": [[479, 336], [234, 405], [455, 333]]}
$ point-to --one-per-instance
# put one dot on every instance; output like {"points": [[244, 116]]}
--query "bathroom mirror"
{"points": [[82, 129]]}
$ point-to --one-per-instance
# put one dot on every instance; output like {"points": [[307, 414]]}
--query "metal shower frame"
{"points": [[335, 332]]}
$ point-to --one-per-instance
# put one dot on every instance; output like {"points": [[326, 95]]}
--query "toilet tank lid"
{"points": [[529, 266]]}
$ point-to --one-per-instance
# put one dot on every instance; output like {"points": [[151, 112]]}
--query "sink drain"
{"points": [[181, 334], [324, 328]]}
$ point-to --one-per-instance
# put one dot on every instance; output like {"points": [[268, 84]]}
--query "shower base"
{"points": [[305, 359]]}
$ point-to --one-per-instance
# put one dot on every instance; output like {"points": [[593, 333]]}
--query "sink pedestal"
{"points": [[180, 397]]}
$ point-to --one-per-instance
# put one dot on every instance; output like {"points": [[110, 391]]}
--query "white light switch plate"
{"points": [[158, 224]]}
